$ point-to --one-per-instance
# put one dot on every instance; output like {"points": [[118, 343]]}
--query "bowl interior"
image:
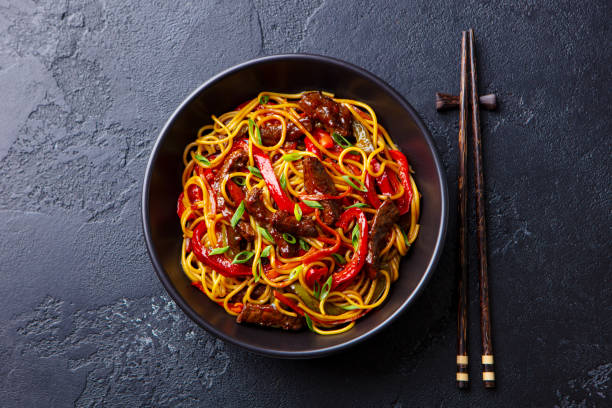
{"points": [[291, 73]]}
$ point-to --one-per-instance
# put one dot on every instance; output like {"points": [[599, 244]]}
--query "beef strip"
{"points": [[245, 231], [386, 215], [236, 160], [269, 316], [284, 221], [285, 249], [405, 220], [334, 116], [255, 206], [271, 131], [233, 239], [317, 181]]}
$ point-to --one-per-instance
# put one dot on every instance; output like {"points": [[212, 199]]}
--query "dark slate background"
{"points": [[86, 86]]}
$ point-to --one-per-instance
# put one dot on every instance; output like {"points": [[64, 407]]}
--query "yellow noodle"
{"points": [[218, 139]]}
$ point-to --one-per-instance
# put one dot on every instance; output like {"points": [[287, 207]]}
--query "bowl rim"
{"points": [[319, 352]]}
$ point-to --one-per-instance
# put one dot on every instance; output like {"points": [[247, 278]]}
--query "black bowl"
{"points": [[290, 73]]}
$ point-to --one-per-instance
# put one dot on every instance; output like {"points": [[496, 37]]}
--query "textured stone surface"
{"points": [[86, 86]]}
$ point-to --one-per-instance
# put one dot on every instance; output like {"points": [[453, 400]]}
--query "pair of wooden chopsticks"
{"points": [[488, 372]]}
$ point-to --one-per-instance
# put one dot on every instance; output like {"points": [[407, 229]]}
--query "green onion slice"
{"points": [[296, 271], [317, 290], [264, 99], [254, 171], [283, 181], [264, 233], [355, 236], [238, 214], [258, 271], [341, 140], [266, 252], [304, 245], [297, 211], [258, 135], [326, 288], [308, 322], [348, 180], [313, 204], [357, 205], [251, 126], [218, 251], [340, 259], [202, 159], [289, 238], [289, 157], [239, 180], [242, 257], [406, 241]]}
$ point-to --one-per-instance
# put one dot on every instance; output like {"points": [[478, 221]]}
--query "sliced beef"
{"points": [[284, 221], [405, 221], [233, 239], [269, 316], [255, 206], [245, 231], [386, 215], [317, 181], [234, 161], [272, 130], [285, 249], [254, 203], [334, 116]]}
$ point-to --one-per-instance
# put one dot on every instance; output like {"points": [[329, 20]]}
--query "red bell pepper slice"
{"points": [[205, 172], [310, 147], [279, 196], [315, 274], [267, 171], [180, 207], [352, 268], [404, 175], [194, 193], [371, 193], [388, 184], [235, 192], [383, 180], [322, 253], [270, 273], [234, 307], [402, 204], [218, 262], [324, 138]]}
